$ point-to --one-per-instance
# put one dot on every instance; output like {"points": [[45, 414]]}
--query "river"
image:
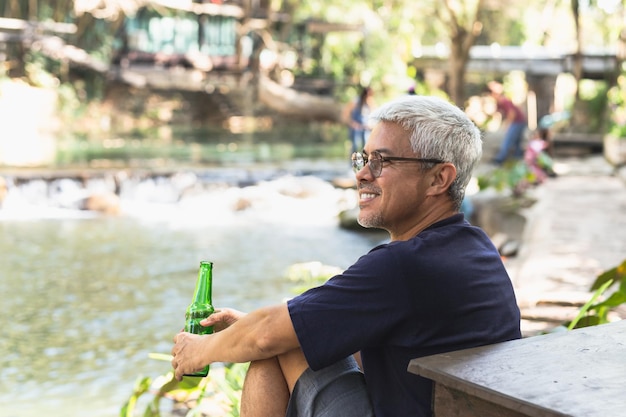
{"points": [[86, 297]]}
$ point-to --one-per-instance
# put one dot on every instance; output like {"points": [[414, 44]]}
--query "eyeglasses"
{"points": [[375, 161]]}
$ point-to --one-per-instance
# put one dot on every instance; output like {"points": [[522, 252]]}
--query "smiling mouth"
{"points": [[367, 196]]}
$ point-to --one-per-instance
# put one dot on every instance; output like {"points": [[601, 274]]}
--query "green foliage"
{"points": [[593, 99], [513, 176], [40, 72], [43, 72], [617, 108], [142, 385], [188, 393], [502, 26], [594, 312]]}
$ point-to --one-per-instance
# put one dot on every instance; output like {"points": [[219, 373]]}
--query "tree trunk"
{"points": [[579, 111], [578, 63], [456, 75], [15, 11], [461, 41], [288, 101]]}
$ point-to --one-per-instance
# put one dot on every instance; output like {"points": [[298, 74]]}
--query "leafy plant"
{"points": [[593, 312], [189, 393], [142, 385], [516, 177]]}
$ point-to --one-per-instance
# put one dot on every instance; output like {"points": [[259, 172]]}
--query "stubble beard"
{"points": [[373, 221]]}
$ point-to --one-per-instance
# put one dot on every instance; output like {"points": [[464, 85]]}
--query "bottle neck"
{"points": [[202, 293]]}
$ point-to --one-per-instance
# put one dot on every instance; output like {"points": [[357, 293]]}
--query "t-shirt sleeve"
{"points": [[351, 310]]}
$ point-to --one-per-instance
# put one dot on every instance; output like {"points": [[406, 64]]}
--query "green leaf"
{"points": [[584, 309], [142, 385], [589, 321], [616, 274], [616, 299], [160, 357], [152, 410]]}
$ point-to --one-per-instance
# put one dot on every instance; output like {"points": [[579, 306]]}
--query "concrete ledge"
{"points": [[573, 373]]}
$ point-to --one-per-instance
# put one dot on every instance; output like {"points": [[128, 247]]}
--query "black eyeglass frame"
{"points": [[359, 161]]}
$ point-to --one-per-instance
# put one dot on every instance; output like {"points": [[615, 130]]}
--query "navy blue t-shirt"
{"points": [[445, 289]]}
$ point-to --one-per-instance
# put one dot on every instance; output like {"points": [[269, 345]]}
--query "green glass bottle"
{"points": [[201, 306]]}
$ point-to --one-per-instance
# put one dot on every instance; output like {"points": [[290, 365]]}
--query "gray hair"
{"points": [[438, 130]]}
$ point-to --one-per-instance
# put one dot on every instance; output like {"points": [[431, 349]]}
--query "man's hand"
{"points": [[222, 318], [188, 348], [187, 354]]}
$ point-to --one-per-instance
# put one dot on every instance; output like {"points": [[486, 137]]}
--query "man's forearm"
{"points": [[262, 334]]}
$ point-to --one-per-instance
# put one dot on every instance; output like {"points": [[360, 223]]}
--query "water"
{"points": [[87, 297]]}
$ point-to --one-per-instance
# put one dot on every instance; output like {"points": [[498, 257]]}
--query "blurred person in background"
{"points": [[514, 118], [356, 115]]}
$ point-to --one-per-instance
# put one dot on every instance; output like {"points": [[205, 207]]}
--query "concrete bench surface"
{"points": [[580, 373]]}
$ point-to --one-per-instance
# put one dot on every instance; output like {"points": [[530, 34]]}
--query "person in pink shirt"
{"points": [[537, 156]]}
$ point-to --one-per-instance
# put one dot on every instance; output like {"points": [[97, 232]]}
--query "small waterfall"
{"points": [[224, 194]]}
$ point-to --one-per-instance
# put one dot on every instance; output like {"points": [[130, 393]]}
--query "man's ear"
{"points": [[442, 178]]}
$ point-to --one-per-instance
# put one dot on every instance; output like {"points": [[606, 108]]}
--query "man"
{"points": [[438, 286], [514, 119]]}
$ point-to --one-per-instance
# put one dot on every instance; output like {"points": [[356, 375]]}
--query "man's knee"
{"points": [[293, 364], [263, 381]]}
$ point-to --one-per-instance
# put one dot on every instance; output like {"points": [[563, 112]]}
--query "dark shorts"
{"points": [[336, 391]]}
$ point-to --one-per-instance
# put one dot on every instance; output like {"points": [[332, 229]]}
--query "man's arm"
{"points": [[262, 334]]}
